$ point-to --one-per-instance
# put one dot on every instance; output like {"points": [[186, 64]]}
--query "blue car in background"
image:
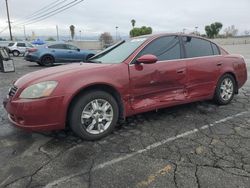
{"points": [[47, 55]]}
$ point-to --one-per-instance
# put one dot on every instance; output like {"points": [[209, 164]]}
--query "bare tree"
{"points": [[72, 31], [106, 39], [247, 32], [231, 31]]}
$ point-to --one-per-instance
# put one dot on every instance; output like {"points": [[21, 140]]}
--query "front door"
{"points": [[162, 83]]}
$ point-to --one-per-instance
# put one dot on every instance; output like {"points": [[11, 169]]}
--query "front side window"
{"points": [[21, 44], [57, 46], [164, 48], [196, 47], [70, 47]]}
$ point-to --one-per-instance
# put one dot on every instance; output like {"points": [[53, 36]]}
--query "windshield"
{"points": [[119, 52]]}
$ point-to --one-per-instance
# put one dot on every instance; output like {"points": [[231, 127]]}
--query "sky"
{"points": [[92, 17]]}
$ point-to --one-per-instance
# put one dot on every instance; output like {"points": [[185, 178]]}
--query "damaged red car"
{"points": [[131, 77]]}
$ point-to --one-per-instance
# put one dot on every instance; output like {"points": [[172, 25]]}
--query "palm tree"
{"points": [[133, 23], [72, 31]]}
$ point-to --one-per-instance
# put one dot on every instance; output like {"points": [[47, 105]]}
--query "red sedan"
{"points": [[133, 76]]}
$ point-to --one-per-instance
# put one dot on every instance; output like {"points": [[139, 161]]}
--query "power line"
{"points": [[40, 11], [52, 12]]}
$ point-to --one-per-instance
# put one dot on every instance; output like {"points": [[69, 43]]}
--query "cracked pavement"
{"points": [[194, 145]]}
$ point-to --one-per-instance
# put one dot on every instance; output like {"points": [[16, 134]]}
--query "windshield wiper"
{"points": [[93, 61]]}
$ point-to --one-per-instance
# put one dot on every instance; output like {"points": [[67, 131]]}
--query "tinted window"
{"points": [[197, 47], [21, 44], [57, 46], [215, 49], [164, 48], [11, 44], [70, 47]]}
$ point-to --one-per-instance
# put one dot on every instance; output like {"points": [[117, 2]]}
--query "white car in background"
{"points": [[17, 48]]}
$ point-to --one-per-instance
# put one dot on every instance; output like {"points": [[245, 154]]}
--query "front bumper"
{"points": [[44, 114]]}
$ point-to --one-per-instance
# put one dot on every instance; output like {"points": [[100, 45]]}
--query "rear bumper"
{"points": [[31, 58], [37, 115]]}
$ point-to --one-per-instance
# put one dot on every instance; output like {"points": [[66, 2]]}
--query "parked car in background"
{"points": [[47, 55], [17, 48], [138, 75]]}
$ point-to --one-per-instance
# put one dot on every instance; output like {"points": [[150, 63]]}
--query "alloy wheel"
{"points": [[97, 116]]}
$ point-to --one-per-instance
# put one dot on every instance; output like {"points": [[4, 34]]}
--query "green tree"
{"points": [[213, 29], [140, 31], [72, 31], [133, 23], [51, 39]]}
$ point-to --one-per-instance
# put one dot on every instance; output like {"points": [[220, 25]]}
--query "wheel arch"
{"points": [[99, 86]]}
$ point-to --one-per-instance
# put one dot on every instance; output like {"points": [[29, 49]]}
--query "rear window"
{"points": [[196, 47], [21, 44], [11, 44], [215, 49]]}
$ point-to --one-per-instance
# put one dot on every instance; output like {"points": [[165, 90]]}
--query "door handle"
{"points": [[219, 64], [180, 71], [52, 50], [70, 52]]}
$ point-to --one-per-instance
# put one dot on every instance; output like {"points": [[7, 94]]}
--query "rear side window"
{"points": [[21, 44], [164, 48], [215, 49], [57, 46], [11, 44], [196, 47]]}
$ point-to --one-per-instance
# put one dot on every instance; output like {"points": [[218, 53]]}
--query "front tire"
{"points": [[93, 115], [225, 89]]}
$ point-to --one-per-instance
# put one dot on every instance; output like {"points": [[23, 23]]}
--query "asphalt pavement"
{"points": [[194, 145]]}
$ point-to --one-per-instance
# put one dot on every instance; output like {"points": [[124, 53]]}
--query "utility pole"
{"points": [[116, 33], [57, 35], [80, 32], [24, 32], [8, 19]]}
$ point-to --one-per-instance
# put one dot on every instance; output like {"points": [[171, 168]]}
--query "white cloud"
{"points": [[95, 16]]}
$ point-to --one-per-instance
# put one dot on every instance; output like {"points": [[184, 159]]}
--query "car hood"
{"points": [[55, 73]]}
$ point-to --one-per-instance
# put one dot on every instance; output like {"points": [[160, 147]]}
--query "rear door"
{"points": [[203, 63], [21, 46], [161, 83]]}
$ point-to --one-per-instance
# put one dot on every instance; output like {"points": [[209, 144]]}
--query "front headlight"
{"points": [[39, 90]]}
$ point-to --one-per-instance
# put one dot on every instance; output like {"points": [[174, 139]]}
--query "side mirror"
{"points": [[78, 49], [147, 59]]}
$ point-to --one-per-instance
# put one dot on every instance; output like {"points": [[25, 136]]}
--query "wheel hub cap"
{"points": [[226, 89], [97, 116]]}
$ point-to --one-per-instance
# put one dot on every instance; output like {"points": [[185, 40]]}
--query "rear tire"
{"points": [[47, 60], [225, 89], [15, 53], [93, 115]]}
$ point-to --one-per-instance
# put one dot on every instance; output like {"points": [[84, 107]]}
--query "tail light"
{"points": [[32, 50]]}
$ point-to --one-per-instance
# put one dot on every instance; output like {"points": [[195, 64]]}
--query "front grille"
{"points": [[12, 91]]}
